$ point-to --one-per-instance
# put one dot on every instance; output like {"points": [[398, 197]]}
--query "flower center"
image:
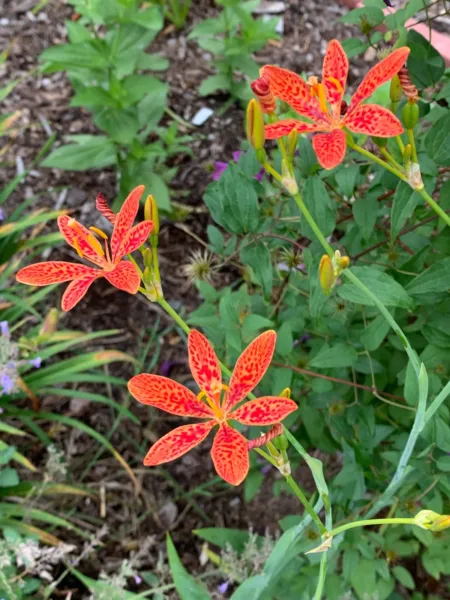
{"points": [[217, 401], [91, 241], [317, 90]]}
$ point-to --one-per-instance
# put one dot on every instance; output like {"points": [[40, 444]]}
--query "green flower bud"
{"points": [[410, 115]]}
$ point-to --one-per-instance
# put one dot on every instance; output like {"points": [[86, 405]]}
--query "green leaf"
{"points": [[88, 152], [104, 589], [252, 484], [404, 577], [221, 536], [375, 333], [284, 339], [319, 204], [252, 324], [77, 33], [372, 14], [8, 477], [155, 185], [389, 291], [365, 211], [346, 179], [443, 464], [363, 579], [93, 96], [437, 141], [405, 201], [75, 55], [433, 280], [425, 65], [339, 355], [186, 586], [233, 201], [258, 258], [152, 62], [121, 125], [151, 107], [214, 83]]}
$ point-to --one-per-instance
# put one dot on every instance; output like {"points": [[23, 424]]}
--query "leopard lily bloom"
{"points": [[216, 403], [124, 240], [322, 103]]}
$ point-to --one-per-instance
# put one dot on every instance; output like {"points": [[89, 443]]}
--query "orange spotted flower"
{"points": [[322, 103], [120, 273], [216, 403]]}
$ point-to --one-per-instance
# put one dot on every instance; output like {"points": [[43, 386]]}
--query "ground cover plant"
{"points": [[318, 353]]}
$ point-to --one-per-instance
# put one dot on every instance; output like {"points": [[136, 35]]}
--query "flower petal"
{"points": [[250, 367], [330, 148], [230, 455], [77, 289], [124, 277], [204, 363], [125, 218], [46, 273], [373, 120], [285, 126], [264, 411], [293, 90], [379, 74], [135, 237], [166, 394], [334, 74], [177, 442], [81, 243]]}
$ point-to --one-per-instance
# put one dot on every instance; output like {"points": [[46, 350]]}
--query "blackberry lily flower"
{"points": [[124, 240], [215, 404], [321, 103]]}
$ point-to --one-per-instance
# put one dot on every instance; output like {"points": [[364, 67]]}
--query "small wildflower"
{"points": [[2, 215], [219, 168], [7, 383], [199, 267], [4, 328], [36, 362], [222, 588]]}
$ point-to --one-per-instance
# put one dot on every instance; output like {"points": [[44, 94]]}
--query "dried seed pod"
{"points": [[261, 89], [409, 89]]}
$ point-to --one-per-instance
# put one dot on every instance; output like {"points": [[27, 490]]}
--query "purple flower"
{"points": [[305, 337], [236, 155], [137, 579], [259, 175], [7, 383], [36, 362], [223, 587], [2, 215], [219, 168], [265, 469], [4, 328], [167, 366]]}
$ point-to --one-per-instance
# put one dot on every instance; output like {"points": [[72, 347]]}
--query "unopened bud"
{"points": [[281, 442], [428, 519], [147, 255], [151, 213], [407, 151], [395, 91], [286, 393], [261, 89], [327, 277], [342, 262], [410, 114], [50, 323], [255, 125], [292, 139], [380, 142]]}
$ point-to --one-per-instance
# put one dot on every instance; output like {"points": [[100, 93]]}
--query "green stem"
{"points": [[308, 216], [400, 143], [365, 523], [436, 404], [390, 159], [412, 141], [173, 313], [378, 160], [322, 576], [435, 206], [272, 171], [308, 507]]}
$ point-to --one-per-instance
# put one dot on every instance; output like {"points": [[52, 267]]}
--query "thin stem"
{"points": [[390, 159], [272, 171], [436, 404], [267, 456], [378, 160], [308, 507], [173, 313], [367, 522], [400, 143], [322, 576], [308, 216], [435, 206], [412, 141]]}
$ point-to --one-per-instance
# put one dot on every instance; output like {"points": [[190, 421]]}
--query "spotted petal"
{"points": [[81, 234], [330, 148], [285, 126], [124, 277], [46, 273], [293, 90], [250, 367], [373, 120], [166, 394], [379, 74], [230, 455], [76, 290], [204, 363], [334, 74], [135, 237], [177, 442], [125, 219], [264, 411]]}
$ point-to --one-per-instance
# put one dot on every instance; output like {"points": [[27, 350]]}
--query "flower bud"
{"points": [[410, 114], [261, 89], [151, 213], [342, 262], [255, 125], [281, 442], [407, 151], [286, 393], [327, 277], [428, 519], [292, 139], [50, 322], [148, 258], [395, 91]]}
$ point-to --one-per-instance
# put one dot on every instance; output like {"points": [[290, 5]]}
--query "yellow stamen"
{"points": [[337, 84], [318, 91], [99, 232], [216, 410], [76, 245], [95, 245]]}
